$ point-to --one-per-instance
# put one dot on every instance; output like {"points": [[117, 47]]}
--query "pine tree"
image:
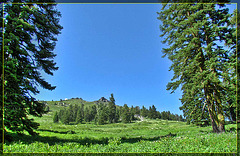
{"points": [[75, 110], [66, 117], [55, 118], [71, 113], [164, 115], [199, 63], [80, 114], [231, 81], [60, 114], [152, 112], [144, 112], [30, 32], [117, 118], [93, 112], [132, 113], [126, 116], [137, 110], [111, 110], [79, 117], [101, 114], [87, 115]]}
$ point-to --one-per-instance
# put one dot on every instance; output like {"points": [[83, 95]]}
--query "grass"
{"points": [[157, 136]]}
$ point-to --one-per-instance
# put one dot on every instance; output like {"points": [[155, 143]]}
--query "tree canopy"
{"points": [[201, 47], [30, 35]]}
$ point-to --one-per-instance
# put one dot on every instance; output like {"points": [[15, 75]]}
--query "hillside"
{"points": [[138, 136], [74, 101]]}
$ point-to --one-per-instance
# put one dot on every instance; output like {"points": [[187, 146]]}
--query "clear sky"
{"points": [[112, 48]]}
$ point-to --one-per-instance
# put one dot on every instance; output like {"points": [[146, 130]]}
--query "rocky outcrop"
{"points": [[62, 104], [103, 99]]}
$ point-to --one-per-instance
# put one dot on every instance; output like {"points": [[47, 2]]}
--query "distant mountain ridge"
{"points": [[77, 101]]}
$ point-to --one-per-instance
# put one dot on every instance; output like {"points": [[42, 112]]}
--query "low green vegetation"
{"points": [[147, 135]]}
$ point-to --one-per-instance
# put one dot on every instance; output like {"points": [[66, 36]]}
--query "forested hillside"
{"points": [[103, 111]]}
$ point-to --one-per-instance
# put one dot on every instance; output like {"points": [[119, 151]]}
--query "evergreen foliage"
{"points": [[30, 32], [144, 112], [55, 118], [202, 64], [152, 114], [117, 117], [111, 110], [79, 117], [132, 113], [126, 115], [71, 117], [60, 114], [93, 112], [99, 113], [87, 115], [66, 117]]}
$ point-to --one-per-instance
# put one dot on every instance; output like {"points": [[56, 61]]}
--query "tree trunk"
{"points": [[220, 117], [221, 126], [213, 122], [217, 118]]}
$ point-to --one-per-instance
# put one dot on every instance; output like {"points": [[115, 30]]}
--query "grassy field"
{"points": [[157, 136]]}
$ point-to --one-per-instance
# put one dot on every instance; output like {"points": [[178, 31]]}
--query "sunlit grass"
{"points": [[146, 136]]}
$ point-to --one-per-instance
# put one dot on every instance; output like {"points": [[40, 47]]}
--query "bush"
{"points": [[55, 118]]}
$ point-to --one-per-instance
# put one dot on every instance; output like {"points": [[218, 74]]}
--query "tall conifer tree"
{"points": [[126, 116], [79, 117], [196, 34], [30, 32], [111, 110]]}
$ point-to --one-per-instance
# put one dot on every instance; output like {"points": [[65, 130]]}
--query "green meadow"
{"points": [[152, 136]]}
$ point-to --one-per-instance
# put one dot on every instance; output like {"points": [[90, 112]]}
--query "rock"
{"points": [[103, 99]]}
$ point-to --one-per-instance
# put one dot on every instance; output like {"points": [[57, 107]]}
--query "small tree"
{"points": [[154, 112], [117, 117], [101, 114], [132, 113], [79, 117], [126, 115], [71, 113], [144, 112], [60, 114], [87, 115], [75, 110], [55, 118], [46, 108], [65, 118], [93, 112], [111, 110]]}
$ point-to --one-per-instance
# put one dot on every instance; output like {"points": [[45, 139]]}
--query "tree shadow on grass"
{"points": [[47, 130], [52, 140], [137, 139]]}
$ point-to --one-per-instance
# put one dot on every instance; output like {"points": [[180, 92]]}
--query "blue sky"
{"points": [[109, 48]]}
